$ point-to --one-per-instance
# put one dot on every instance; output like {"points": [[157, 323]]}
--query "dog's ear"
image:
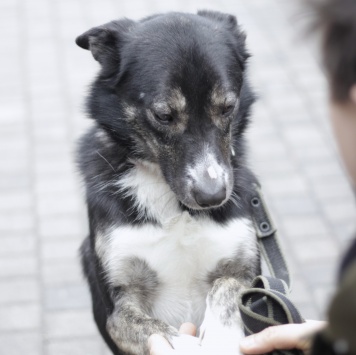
{"points": [[104, 41], [230, 23]]}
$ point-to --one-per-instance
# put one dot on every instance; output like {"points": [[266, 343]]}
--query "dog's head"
{"points": [[171, 91]]}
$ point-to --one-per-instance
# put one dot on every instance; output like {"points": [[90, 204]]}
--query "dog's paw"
{"points": [[216, 337]]}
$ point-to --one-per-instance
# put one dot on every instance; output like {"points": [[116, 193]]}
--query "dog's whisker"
{"points": [[97, 152]]}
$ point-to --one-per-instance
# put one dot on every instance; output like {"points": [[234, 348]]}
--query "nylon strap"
{"points": [[266, 303], [267, 237]]}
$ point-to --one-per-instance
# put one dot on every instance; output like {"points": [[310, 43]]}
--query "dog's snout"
{"points": [[209, 197]]}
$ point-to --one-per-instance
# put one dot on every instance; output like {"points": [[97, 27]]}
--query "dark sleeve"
{"points": [[348, 259]]}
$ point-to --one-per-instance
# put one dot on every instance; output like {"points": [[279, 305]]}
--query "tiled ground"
{"points": [[44, 303]]}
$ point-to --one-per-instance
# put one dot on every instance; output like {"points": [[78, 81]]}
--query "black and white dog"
{"points": [[171, 238]]}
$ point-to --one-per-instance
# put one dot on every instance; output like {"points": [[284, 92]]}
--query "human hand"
{"points": [[158, 345], [286, 336]]}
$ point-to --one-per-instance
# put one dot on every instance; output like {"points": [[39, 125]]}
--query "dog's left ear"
{"points": [[104, 42], [230, 23]]}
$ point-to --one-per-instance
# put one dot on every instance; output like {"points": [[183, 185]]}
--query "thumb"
{"points": [[188, 328]]}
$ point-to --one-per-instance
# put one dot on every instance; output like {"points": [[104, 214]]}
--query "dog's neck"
{"points": [[151, 195]]}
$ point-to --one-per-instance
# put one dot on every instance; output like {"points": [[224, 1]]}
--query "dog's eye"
{"points": [[163, 118], [227, 110]]}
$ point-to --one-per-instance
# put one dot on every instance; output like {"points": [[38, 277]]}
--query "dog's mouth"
{"points": [[206, 200]]}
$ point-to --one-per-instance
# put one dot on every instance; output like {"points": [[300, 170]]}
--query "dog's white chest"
{"points": [[182, 253]]}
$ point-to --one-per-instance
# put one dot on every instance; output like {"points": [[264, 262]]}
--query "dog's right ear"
{"points": [[104, 41]]}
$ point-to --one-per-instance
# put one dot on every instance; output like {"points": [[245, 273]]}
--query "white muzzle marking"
{"points": [[212, 173]]}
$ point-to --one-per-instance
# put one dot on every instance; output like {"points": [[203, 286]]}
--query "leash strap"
{"points": [[267, 237], [266, 303]]}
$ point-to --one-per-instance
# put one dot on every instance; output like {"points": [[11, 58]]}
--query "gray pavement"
{"points": [[44, 302]]}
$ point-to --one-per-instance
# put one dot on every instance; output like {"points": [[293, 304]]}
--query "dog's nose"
{"points": [[205, 198]]}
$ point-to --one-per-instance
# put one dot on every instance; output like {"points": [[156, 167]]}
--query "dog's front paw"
{"points": [[218, 338]]}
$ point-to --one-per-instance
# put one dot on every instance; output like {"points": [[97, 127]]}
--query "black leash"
{"points": [[266, 303]]}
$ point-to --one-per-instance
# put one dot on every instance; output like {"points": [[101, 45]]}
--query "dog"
{"points": [[167, 183]]}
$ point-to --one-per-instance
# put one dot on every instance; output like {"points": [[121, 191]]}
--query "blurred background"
{"points": [[44, 302]]}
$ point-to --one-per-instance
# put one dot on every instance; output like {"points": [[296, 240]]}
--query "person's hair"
{"points": [[337, 21]]}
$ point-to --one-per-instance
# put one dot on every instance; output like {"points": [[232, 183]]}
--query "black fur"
{"points": [[191, 52]]}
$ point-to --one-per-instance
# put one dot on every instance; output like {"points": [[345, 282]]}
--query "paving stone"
{"points": [[300, 293], [12, 245], [325, 246], [16, 343], [309, 311], [61, 226], [19, 290], [16, 222], [345, 230], [15, 200], [325, 170], [62, 271], [286, 185], [305, 226], [61, 249], [295, 205], [14, 181], [87, 346], [69, 324], [49, 166], [11, 266], [67, 297], [320, 272], [330, 190], [58, 184], [20, 317], [339, 211], [52, 204]]}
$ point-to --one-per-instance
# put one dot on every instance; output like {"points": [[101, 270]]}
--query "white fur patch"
{"points": [[206, 162], [217, 338], [182, 252], [150, 193]]}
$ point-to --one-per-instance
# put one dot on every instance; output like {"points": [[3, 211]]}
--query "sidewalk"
{"points": [[44, 302]]}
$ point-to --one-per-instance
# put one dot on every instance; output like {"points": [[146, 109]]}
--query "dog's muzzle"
{"points": [[210, 194]]}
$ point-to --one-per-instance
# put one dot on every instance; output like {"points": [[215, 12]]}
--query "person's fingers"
{"points": [[276, 337], [286, 336], [158, 345], [188, 328]]}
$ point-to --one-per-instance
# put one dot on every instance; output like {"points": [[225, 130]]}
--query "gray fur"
{"points": [[222, 300], [140, 281], [130, 324], [130, 327], [239, 268]]}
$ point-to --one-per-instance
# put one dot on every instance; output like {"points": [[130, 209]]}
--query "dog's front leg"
{"points": [[130, 328], [222, 327]]}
